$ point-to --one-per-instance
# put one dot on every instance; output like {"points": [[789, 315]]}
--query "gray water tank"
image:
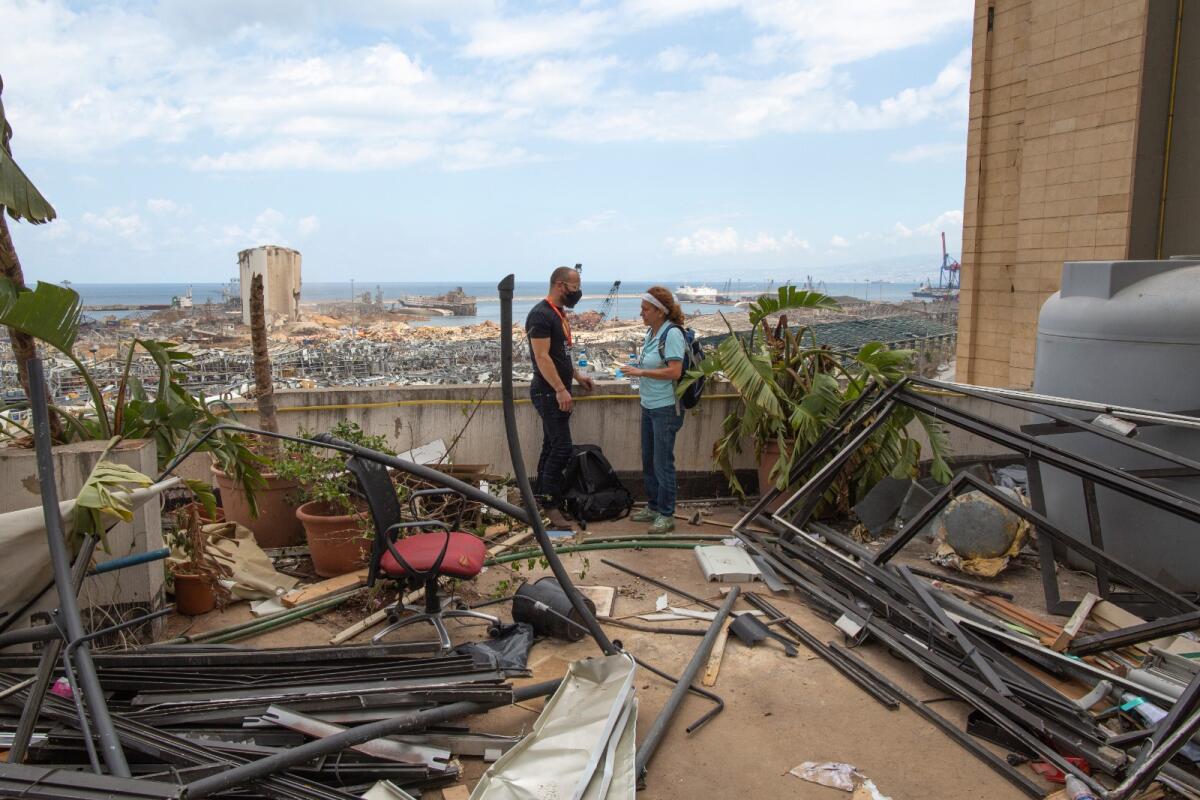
{"points": [[1126, 333]]}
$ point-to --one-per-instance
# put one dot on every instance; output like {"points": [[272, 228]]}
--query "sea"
{"points": [[526, 294]]}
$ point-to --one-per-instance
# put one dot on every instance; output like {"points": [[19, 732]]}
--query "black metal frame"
{"points": [[907, 615]]}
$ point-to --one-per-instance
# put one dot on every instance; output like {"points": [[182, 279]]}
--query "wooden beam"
{"points": [[718, 653], [331, 586]]}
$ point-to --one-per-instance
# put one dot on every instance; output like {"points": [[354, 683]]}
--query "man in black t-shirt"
{"points": [[550, 344]]}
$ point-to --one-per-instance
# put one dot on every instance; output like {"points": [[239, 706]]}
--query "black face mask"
{"points": [[571, 298]]}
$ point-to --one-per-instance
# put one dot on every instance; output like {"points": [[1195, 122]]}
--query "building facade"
{"points": [[1083, 144]]}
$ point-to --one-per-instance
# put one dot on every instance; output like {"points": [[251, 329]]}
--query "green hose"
{"points": [[638, 544], [262, 626], [289, 615]]}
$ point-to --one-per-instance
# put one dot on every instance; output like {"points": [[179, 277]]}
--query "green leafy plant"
{"points": [[321, 474], [792, 388], [172, 416], [106, 497]]}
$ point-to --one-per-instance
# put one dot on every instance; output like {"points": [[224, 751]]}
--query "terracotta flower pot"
{"points": [[335, 540], [770, 455], [276, 524], [194, 595]]}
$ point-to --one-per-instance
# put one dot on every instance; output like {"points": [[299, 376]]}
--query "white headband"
{"points": [[654, 301]]}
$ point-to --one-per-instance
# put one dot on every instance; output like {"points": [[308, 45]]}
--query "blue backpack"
{"points": [[692, 355]]}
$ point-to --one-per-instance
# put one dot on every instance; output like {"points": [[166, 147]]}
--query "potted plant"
{"points": [[791, 389], [336, 523], [196, 577]]}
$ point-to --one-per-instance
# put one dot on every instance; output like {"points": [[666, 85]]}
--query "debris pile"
{"points": [[1062, 696]]}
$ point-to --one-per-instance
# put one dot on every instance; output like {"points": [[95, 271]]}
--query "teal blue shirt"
{"points": [[655, 392]]}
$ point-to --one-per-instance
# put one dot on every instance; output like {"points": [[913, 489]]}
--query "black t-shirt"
{"points": [[544, 323]]}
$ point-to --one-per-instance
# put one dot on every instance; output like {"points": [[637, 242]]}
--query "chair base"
{"points": [[436, 620]]}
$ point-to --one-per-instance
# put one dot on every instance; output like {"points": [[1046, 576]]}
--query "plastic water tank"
{"points": [[1127, 333]]}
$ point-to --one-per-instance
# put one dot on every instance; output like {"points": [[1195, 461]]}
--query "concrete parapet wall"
{"points": [[410, 416], [139, 586]]}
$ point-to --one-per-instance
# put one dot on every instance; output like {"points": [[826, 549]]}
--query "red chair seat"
{"points": [[464, 554]]}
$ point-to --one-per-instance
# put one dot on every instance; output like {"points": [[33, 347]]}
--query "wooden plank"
{"points": [[603, 596], [456, 792], [325, 588], [1075, 623], [715, 658]]}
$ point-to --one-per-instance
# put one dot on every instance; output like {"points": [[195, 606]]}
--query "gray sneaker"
{"points": [[662, 524], [646, 514]]}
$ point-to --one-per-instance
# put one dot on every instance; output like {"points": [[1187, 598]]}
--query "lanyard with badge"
{"points": [[566, 326]]}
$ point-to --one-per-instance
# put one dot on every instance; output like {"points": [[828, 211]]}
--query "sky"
{"points": [[442, 140]]}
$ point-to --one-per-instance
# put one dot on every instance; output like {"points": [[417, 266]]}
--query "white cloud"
{"points": [[591, 223], [115, 222], [726, 241], [939, 151], [552, 82], [263, 86], [946, 221], [269, 227], [161, 205], [535, 35], [838, 241], [678, 59]]}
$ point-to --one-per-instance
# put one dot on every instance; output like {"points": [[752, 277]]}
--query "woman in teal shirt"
{"points": [[660, 366]]}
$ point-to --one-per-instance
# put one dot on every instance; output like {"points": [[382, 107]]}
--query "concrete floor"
{"points": [[779, 711]]}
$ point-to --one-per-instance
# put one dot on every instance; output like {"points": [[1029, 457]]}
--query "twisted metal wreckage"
{"points": [[975, 656], [395, 694], [381, 692]]}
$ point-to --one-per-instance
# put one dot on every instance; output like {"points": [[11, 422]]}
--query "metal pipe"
{"points": [[291, 757], [659, 729], [131, 560], [659, 584], [45, 671], [531, 515], [68, 604], [36, 633], [1124, 412], [428, 474]]}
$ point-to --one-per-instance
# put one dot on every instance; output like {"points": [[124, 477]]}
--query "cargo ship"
{"points": [[696, 294], [456, 301]]}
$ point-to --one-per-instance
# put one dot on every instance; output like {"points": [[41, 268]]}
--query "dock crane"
{"points": [[610, 302]]}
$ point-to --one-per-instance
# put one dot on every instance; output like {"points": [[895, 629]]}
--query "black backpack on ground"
{"points": [[692, 355], [591, 489]]}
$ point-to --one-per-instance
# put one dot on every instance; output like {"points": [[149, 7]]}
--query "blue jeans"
{"points": [[659, 426]]}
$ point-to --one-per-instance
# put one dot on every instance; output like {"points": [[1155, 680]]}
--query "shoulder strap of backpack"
{"points": [[662, 341]]}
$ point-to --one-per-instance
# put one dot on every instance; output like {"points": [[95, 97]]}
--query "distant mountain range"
{"points": [[909, 268]]}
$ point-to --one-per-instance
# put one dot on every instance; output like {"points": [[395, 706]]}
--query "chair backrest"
{"points": [[385, 508]]}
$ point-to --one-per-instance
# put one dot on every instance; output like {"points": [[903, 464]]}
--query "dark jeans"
{"points": [[659, 426], [556, 447]]}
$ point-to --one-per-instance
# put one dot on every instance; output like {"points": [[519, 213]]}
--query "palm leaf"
{"points": [[19, 196], [750, 376], [789, 297], [49, 312]]}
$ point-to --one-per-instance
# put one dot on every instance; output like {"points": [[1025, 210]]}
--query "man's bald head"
{"points": [[564, 274]]}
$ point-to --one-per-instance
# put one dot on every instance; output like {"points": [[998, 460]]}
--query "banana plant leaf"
{"points": [[49, 312], [19, 197], [106, 495]]}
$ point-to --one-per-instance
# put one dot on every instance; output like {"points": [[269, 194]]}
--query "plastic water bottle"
{"points": [[584, 368], [633, 379]]}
